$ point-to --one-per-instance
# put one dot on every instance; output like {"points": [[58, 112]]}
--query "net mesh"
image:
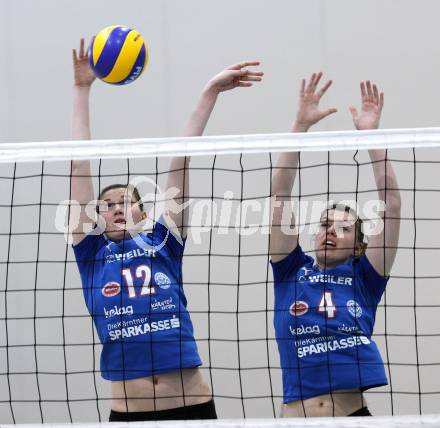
{"points": [[49, 349]]}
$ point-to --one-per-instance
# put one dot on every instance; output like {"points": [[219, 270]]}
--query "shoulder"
{"points": [[372, 281], [364, 265], [165, 235], [289, 265], [91, 243]]}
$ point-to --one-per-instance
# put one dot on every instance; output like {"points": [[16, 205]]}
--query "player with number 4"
{"points": [[325, 307]]}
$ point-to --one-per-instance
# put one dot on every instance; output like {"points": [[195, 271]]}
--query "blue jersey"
{"points": [[133, 290], [323, 325]]}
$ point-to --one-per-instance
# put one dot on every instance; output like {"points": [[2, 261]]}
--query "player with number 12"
{"points": [[132, 280]]}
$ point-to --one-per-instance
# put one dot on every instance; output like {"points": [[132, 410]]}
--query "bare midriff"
{"points": [[166, 391], [338, 403]]}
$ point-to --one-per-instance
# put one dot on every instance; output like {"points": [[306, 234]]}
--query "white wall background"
{"points": [[394, 43]]}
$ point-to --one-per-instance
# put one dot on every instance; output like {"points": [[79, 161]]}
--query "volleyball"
{"points": [[118, 55]]}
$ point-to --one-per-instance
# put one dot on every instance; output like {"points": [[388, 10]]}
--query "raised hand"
{"points": [[371, 109], [235, 76], [82, 74], [309, 112]]}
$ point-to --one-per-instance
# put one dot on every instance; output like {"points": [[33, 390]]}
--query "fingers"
{"points": [[74, 55], [328, 112], [381, 100], [83, 53], [90, 46], [363, 91], [370, 94], [323, 90], [353, 112], [375, 95], [251, 77], [310, 85], [256, 75], [303, 86], [245, 74], [243, 64], [245, 77], [313, 83], [317, 79]]}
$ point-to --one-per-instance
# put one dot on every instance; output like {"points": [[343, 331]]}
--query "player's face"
{"points": [[121, 212], [336, 240]]}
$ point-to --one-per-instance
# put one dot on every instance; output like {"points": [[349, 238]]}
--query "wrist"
{"points": [[300, 127], [209, 94], [377, 155], [366, 128], [82, 87]]}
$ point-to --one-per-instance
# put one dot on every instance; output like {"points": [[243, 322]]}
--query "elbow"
{"points": [[280, 186], [394, 202], [75, 167], [280, 191]]}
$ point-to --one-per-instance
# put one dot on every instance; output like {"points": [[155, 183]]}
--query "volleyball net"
{"points": [[49, 348]]}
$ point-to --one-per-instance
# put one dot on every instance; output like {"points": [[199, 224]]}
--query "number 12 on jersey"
{"points": [[141, 271]]}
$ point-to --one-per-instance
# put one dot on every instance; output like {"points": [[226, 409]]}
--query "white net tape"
{"points": [[231, 144], [427, 421]]}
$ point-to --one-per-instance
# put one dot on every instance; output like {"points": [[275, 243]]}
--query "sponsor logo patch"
{"points": [[298, 308], [111, 289], [123, 310], [309, 329], [162, 280], [163, 304], [354, 308]]}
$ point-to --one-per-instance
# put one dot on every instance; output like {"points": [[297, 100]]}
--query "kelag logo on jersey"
{"points": [[123, 310], [298, 308], [111, 289]]}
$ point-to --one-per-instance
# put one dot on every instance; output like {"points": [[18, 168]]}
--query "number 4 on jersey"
{"points": [[326, 305]]}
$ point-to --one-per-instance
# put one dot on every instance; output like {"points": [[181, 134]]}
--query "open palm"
{"points": [[371, 109], [82, 73], [309, 112]]}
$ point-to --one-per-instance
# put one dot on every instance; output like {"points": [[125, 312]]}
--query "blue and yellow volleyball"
{"points": [[118, 55]]}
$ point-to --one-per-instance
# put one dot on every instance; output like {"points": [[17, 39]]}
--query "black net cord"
{"points": [[415, 276], [8, 260], [35, 293], [325, 289], [209, 285], [63, 303], [269, 287], [238, 288]]}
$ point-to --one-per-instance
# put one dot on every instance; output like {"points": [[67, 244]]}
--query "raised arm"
{"points": [[382, 246], [235, 76], [284, 237], [81, 181]]}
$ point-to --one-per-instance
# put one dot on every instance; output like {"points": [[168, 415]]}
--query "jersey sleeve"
{"points": [[85, 255], [374, 282], [284, 268]]}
